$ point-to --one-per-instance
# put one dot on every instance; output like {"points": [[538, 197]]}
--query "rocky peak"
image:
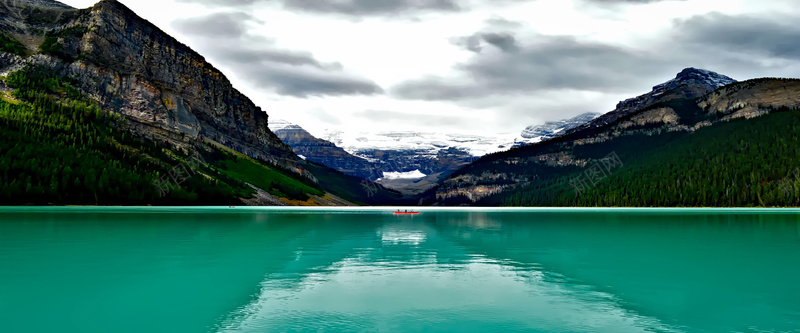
{"points": [[44, 4], [695, 76], [689, 83], [164, 89], [322, 151]]}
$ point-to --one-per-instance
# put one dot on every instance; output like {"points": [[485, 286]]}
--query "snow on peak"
{"points": [[712, 79], [416, 174], [550, 129], [431, 145], [423, 143], [279, 124]]}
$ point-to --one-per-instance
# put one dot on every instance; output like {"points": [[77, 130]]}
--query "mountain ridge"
{"points": [[157, 82], [690, 105], [429, 157], [550, 129], [688, 83], [322, 151]]}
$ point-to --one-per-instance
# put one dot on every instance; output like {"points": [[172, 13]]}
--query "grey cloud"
{"points": [[497, 22], [436, 89], [738, 46], [472, 43], [383, 116], [224, 37], [293, 73], [359, 7], [774, 37], [385, 8], [287, 57], [495, 33], [229, 25], [304, 83], [349, 7], [549, 63], [226, 3], [638, 2], [501, 40]]}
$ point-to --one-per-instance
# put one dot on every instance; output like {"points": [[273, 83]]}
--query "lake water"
{"points": [[278, 270]]}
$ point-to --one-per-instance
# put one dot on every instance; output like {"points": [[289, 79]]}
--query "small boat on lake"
{"points": [[406, 212]]}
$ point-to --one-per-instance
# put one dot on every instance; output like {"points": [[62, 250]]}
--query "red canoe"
{"points": [[406, 212]]}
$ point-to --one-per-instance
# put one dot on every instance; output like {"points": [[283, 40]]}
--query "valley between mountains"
{"points": [[100, 107]]}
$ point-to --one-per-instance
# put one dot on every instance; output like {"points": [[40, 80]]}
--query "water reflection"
{"points": [[391, 235], [442, 271], [703, 271], [416, 276]]}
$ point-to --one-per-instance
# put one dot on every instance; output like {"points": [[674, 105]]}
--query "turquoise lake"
{"points": [[365, 270]]}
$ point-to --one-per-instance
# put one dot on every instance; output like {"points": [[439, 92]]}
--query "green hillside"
{"points": [[58, 148], [745, 162], [359, 190], [11, 45]]}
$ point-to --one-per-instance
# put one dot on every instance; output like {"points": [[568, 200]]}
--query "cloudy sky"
{"points": [[470, 66]]}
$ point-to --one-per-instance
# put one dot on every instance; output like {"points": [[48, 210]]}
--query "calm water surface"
{"points": [[271, 270]]}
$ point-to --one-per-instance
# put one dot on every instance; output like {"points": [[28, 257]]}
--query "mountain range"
{"points": [[100, 107], [410, 162]]}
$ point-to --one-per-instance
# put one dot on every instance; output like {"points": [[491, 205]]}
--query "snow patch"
{"points": [[416, 174], [278, 124], [421, 143]]}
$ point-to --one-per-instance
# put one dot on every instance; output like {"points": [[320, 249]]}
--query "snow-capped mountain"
{"points": [[693, 75], [394, 158], [690, 83], [279, 124], [402, 160], [423, 143], [324, 152], [427, 157], [550, 129]]}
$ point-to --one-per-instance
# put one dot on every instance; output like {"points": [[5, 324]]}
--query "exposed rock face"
{"points": [[665, 116], [322, 151], [689, 83], [131, 67], [19, 14], [473, 194], [752, 98]]}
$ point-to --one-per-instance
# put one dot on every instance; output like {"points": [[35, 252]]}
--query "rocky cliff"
{"points": [[752, 98], [323, 151], [164, 89]]}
